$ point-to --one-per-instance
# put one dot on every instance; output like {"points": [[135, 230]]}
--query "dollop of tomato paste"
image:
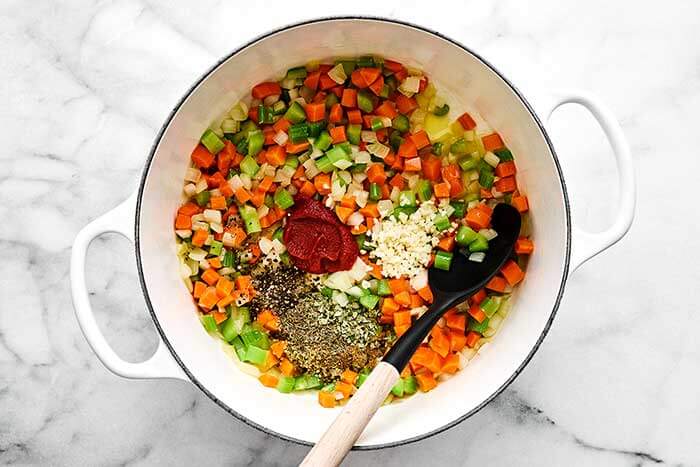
{"points": [[316, 240]]}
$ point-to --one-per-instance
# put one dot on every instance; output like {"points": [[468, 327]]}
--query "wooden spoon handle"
{"points": [[356, 414]]}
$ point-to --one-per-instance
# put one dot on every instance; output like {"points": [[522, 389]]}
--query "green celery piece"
{"points": [[401, 123], [476, 326], [299, 132], [353, 133], [278, 235], [442, 222], [250, 217], [490, 305], [209, 323], [468, 162], [256, 139], [331, 100], [315, 128], [212, 142], [360, 240], [375, 192], [366, 61], [410, 385], [323, 141], [364, 101], [298, 72], [336, 154], [486, 177], [286, 384], [361, 379], [249, 166], [398, 388], [229, 330], [255, 355], [295, 113], [292, 161], [443, 260], [479, 244], [383, 288], [202, 198], [283, 199], [307, 381], [503, 154], [460, 208], [324, 164], [256, 337], [239, 347], [465, 235], [215, 248], [424, 190], [229, 259], [369, 301], [459, 147]]}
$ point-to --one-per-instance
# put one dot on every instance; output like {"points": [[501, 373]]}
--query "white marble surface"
{"points": [[85, 87]]}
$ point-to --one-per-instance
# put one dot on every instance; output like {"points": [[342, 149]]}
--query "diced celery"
{"points": [[215, 248], [398, 388], [400, 123], [424, 190], [383, 288], [369, 301], [476, 326], [443, 260], [436, 127], [364, 101], [250, 217], [286, 384], [255, 355], [256, 337], [324, 164], [249, 166], [202, 198], [323, 141], [212, 142], [410, 385], [442, 222], [490, 305], [295, 113], [465, 235], [283, 199], [479, 244], [353, 133], [375, 192], [209, 323], [307, 381], [256, 139], [239, 347]]}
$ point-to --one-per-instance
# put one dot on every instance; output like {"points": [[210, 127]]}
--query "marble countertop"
{"points": [[87, 84]]}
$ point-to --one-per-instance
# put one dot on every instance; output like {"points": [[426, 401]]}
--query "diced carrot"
{"points": [[512, 272], [377, 86], [399, 285], [520, 203], [485, 194], [407, 149], [478, 219], [218, 317], [392, 66], [405, 105], [268, 380], [426, 381], [376, 174], [400, 330], [428, 358], [226, 301], [376, 271], [387, 109], [442, 190], [358, 229], [348, 376], [223, 286], [524, 246], [183, 222], [416, 301], [497, 284], [403, 298], [505, 169], [466, 121], [199, 288], [370, 222], [439, 342], [451, 364], [343, 213], [349, 98], [201, 157], [262, 90], [295, 148], [307, 189], [322, 183], [505, 185], [354, 117], [336, 114], [457, 341], [326, 399], [370, 75], [208, 298], [426, 294], [266, 221], [189, 209], [258, 198], [492, 141], [217, 202], [277, 348], [358, 80], [420, 139], [344, 388], [477, 313], [431, 167], [472, 339], [398, 181], [457, 321], [276, 155], [282, 125], [348, 201], [243, 282], [447, 243], [478, 297], [286, 367], [225, 157], [412, 165], [242, 195], [402, 318], [389, 306], [325, 82], [226, 190], [370, 210], [338, 134], [210, 276], [199, 237], [311, 80]]}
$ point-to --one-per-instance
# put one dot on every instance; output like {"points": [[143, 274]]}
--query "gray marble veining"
{"points": [[86, 85]]}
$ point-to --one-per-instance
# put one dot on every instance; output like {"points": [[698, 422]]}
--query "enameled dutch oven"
{"points": [[187, 352]]}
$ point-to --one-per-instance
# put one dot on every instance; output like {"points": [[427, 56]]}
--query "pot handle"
{"points": [[586, 245], [161, 364]]}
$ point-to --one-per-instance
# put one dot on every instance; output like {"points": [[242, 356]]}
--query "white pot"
{"points": [[187, 352]]}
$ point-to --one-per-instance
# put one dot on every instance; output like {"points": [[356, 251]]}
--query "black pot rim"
{"points": [[330, 19]]}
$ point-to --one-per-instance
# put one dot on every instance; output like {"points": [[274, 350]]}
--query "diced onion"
{"points": [[228, 240], [288, 83], [229, 125], [385, 207], [271, 100], [226, 271], [345, 176], [359, 177], [239, 112], [362, 157], [361, 198], [201, 186], [235, 183], [199, 225], [212, 216], [368, 136], [197, 254], [394, 195], [192, 174], [265, 245], [263, 210], [410, 85], [378, 149], [281, 138], [477, 257], [490, 234], [183, 233], [420, 280], [355, 219], [216, 227], [491, 159], [190, 189], [247, 182], [278, 246], [337, 74], [185, 271], [204, 264]]}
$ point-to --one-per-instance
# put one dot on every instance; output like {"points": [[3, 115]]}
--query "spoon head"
{"points": [[466, 277]]}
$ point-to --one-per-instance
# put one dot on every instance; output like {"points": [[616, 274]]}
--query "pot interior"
{"points": [[468, 84]]}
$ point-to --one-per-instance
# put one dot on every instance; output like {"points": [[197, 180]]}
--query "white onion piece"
{"points": [[355, 219], [281, 138]]}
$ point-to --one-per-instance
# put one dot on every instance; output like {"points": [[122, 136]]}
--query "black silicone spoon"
{"points": [[449, 289]]}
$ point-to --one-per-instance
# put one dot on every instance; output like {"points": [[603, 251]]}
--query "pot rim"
{"points": [[254, 41]]}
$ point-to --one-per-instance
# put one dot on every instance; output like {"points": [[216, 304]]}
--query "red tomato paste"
{"points": [[316, 240]]}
